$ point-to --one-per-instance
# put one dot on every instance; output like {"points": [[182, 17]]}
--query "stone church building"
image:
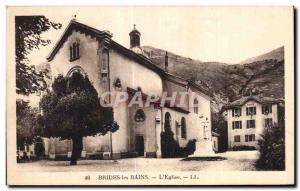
{"points": [[113, 68]]}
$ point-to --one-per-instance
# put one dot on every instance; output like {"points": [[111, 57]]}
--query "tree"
{"points": [[72, 110], [219, 125], [28, 30], [272, 149], [169, 146], [28, 124]]}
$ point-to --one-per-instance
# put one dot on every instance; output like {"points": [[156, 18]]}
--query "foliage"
{"points": [[72, 110], [190, 147], [272, 149], [243, 148], [219, 125], [169, 147], [28, 30], [28, 123]]}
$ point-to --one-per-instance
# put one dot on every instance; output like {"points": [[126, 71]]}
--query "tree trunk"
{"points": [[76, 150]]}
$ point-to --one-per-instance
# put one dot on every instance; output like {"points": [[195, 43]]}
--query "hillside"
{"points": [[277, 54], [225, 83]]}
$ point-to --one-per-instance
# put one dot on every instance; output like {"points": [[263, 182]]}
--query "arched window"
{"points": [[183, 128], [105, 62], [76, 69], [168, 122], [74, 51], [140, 116], [196, 106]]}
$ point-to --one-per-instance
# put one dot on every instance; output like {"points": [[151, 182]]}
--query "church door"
{"points": [[139, 145]]}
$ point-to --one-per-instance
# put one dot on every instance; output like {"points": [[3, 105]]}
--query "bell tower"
{"points": [[134, 37]]}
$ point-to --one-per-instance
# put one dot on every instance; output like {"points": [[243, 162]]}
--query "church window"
{"points": [[74, 51], [167, 125], [140, 116], [196, 106], [105, 62], [183, 128]]}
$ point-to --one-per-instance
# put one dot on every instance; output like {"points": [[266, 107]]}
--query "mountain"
{"points": [[277, 54], [263, 74]]}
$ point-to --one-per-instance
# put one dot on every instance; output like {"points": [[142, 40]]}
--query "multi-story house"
{"points": [[247, 117]]}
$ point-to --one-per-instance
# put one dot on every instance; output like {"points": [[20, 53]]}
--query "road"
{"points": [[236, 161]]}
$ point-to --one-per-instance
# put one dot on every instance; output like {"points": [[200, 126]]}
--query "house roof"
{"points": [[258, 99], [139, 58]]}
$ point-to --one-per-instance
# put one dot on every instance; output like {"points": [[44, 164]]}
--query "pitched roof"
{"points": [[139, 58], [259, 99]]}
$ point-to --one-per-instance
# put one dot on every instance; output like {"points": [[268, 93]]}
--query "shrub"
{"points": [[272, 149], [169, 147], [243, 148], [190, 147]]}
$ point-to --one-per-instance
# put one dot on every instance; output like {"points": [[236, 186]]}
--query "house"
{"points": [[114, 68], [247, 117]]}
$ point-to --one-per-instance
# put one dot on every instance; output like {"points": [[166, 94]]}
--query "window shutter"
{"points": [[233, 125]]}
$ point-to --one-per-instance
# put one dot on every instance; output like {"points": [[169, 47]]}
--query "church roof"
{"points": [[139, 58]]}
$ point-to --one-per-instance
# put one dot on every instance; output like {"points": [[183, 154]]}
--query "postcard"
{"points": [[150, 95]]}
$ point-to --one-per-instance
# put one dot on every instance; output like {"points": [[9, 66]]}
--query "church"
{"points": [[114, 68]]}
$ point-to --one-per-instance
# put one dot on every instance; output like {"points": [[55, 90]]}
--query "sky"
{"points": [[223, 34]]}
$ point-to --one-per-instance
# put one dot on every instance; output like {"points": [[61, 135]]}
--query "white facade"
{"points": [[129, 68], [244, 134]]}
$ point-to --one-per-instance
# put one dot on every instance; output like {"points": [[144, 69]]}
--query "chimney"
{"points": [[166, 62], [134, 37]]}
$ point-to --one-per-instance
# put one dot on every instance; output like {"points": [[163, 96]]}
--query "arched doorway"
{"points": [[139, 145]]}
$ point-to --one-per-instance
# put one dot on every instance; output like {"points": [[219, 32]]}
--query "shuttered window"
{"points": [[251, 111]]}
